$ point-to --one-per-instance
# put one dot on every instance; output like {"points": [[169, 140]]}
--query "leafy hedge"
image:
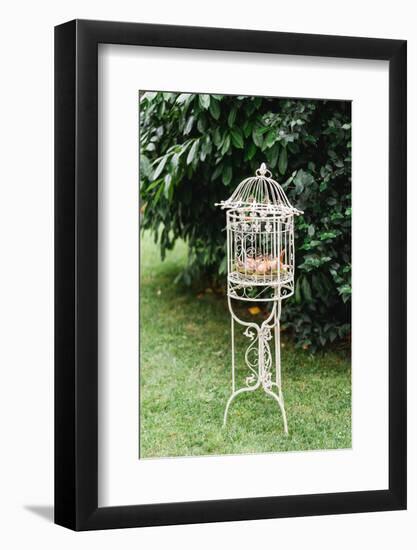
{"points": [[195, 149]]}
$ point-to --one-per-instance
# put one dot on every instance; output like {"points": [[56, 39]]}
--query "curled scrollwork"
{"points": [[251, 356], [260, 339]]}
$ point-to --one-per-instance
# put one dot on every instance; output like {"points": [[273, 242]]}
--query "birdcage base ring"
{"points": [[247, 292], [260, 280]]}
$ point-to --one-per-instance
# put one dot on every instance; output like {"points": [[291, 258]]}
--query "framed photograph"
{"points": [[230, 253]]}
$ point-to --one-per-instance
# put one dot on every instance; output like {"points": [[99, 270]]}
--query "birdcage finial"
{"points": [[263, 171]]}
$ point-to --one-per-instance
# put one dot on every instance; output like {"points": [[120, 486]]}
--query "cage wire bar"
{"points": [[260, 268]]}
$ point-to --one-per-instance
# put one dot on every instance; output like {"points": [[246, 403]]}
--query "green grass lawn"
{"points": [[185, 377]]}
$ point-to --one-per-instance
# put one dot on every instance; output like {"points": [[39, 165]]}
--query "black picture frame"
{"points": [[76, 272]]}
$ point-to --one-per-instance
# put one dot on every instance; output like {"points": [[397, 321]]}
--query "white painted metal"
{"points": [[260, 268]]}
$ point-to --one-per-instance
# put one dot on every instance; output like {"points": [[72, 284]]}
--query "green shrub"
{"points": [[195, 149]]}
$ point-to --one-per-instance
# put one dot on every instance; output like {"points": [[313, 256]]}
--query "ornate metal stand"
{"points": [[260, 268], [259, 358]]}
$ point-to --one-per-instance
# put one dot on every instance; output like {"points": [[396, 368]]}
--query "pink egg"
{"points": [[262, 267], [250, 264]]}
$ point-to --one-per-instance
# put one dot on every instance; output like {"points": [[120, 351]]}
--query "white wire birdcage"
{"points": [[260, 240], [260, 268]]}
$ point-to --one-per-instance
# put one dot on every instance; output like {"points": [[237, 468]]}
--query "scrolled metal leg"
{"points": [[259, 359], [235, 394]]}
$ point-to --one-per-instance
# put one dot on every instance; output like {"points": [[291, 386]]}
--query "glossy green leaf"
{"points": [[160, 167], [150, 95], [306, 289], [237, 139], [272, 156], [167, 187], [182, 98], [227, 175], [257, 137], [232, 117], [204, 100], [226, 145], [153, 185], [271, 137], [145, 166], [192, 152], [215, 108], [250, 151], [283, 161], [202, 124], [217, 172], [217, 137], [247, 128], [189, 125]]}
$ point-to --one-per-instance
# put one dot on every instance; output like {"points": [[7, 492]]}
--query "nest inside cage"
{"points": [[261, 266]]}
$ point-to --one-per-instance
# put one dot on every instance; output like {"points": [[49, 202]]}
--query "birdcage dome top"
{"points": [[260, 192]]}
